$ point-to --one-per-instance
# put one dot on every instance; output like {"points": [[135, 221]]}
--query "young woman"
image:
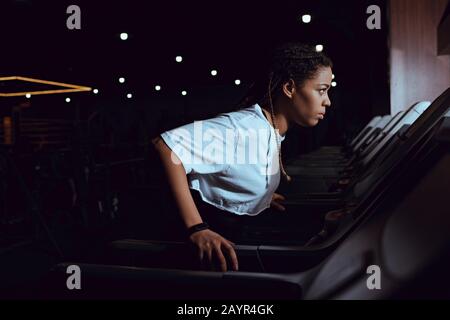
{"points": [[223, 172]]}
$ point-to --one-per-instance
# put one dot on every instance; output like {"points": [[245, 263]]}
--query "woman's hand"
{"points": [[275, 204], [210, 246]]}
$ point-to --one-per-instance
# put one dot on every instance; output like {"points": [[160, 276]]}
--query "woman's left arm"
{"points": [[276, 197]]}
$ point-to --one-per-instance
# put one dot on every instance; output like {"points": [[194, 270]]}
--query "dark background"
{"points": [[233, 37]]}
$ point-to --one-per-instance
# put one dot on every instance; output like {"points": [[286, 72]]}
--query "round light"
{"points": [[129, 95], [157, 88], [214, 73], [178, 58], [333, 84], [183, 92], [67, 100], [28, 96], [237, 82], [332, 76], [95, 91], [319, 48], [306, 18], [121, 80], [124, 36]]}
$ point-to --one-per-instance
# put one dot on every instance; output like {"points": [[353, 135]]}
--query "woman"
{"points": [[232, 163]]}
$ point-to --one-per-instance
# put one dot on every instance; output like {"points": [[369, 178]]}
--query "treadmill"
{"points": [[403, 229], [312, 180], [328, 153], [320, 157]]}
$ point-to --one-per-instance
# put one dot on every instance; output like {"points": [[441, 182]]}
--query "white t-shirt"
{"points": [[231, 159]]}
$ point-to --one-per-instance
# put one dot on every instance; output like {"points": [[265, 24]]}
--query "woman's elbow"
{"points": [[167, 156], [159, 146]]}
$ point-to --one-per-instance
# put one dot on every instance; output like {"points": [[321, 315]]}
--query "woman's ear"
{"points": [[289, 88]]}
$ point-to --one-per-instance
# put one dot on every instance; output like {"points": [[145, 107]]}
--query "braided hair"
{"points": [[291, 60]]}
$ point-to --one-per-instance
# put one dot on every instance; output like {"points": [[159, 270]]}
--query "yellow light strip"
{"points": [[73, 88], [35, 93]]}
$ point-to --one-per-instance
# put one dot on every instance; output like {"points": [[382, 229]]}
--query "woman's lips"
{"points": [[321, 115]]}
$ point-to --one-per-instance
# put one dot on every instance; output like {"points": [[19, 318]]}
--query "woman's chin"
{"points": [[311, 122]]}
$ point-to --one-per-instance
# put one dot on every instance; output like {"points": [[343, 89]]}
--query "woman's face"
{"points": [[309, 101]]}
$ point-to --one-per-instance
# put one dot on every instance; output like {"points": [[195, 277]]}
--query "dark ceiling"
{"points": [[232, 37]]}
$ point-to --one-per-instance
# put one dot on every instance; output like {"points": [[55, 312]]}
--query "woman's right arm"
{"points": [[207, 241]]}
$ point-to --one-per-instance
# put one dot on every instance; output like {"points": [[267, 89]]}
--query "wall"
{"points": [[416, 71]]}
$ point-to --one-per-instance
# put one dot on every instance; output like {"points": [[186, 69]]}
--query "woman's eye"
{"points": [[322, 91]]}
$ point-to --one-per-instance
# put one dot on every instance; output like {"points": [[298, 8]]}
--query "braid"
{"points": [[272, 115]]}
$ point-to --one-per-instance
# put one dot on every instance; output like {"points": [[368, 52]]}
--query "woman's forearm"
{"points": [[178, 184], [209, 243]]}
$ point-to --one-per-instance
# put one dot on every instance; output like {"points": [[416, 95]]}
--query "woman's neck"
{"points": [[280, 119]]}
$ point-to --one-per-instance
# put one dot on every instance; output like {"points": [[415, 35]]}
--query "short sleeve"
{"points": [[204, 147]]}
